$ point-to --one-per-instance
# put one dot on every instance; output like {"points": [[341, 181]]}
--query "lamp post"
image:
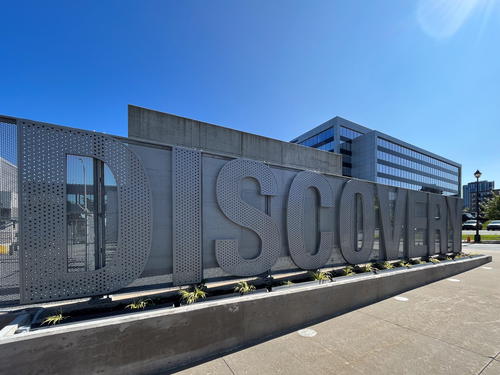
{"points": [[477, 237]]}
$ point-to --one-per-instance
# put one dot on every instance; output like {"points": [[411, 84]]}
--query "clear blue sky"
{"points": [[425, 71]]}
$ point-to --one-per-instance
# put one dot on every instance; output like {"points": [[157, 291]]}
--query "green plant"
{"points": [[417, 261], [243, 287], [54, 319], [363, 268], [139, 304], [434, 260], [193, 294], [444, 257], [319, 276], [287, 283], [491, 208], [384, 265], [402, 263], [347, 271]]}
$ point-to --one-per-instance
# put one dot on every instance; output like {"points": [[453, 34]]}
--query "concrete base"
{"points": [[155, 341]]}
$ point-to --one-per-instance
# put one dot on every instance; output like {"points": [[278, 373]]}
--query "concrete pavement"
{"points": [[448, 327]]}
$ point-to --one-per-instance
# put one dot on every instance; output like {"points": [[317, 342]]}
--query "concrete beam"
{"points": [[148, 125], [159, 340]]}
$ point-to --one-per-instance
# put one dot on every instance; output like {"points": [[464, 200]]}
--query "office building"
{"points": [[486, 191], [371, 155]]}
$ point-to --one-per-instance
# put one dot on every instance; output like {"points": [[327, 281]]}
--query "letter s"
{"points": [[241, 213]]}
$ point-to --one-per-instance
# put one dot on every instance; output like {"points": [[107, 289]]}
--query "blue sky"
{"points": [[424, 71]]}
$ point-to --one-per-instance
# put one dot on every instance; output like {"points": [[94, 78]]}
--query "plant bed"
{"points": [[353, 276], [299, 285]]}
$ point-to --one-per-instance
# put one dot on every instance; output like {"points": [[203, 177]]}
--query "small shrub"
{"points": [[417, 261], [54, 319], [319, 276], [402, 263], [434, 260], [243, 287], [193, 294], [139, 304], [384, 265], [347, 271], [444, 257], [363, 268], [287, 283]]}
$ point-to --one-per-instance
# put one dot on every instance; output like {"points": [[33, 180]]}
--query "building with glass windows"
{"points": [[375, 156], [471, 194]]}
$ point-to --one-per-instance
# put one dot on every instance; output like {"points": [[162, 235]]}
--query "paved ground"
{"points": [[449, 327]]}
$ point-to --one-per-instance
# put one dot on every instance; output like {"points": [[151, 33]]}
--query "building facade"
{"points": [[486, 191], [378, 157]]}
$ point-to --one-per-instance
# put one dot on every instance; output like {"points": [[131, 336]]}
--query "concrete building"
{"points": [[378, 157], [486, 191]]}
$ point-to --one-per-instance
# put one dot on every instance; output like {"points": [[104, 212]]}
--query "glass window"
{"points": [[91, 213]]}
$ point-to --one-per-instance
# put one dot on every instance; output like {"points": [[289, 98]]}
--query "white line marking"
{"points": [[454, 280], [403, 299], [487, 268]]}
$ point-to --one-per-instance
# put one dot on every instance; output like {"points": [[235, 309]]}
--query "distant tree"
{"points": [[491, 208]]}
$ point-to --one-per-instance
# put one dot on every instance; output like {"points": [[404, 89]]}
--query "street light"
{"points": [[477, 237]]}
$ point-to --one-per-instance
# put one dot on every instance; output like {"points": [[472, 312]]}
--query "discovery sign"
{"points": [[189, 215]]}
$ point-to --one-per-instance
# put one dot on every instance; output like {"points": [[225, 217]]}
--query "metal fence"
{"points": [[9, 219]]}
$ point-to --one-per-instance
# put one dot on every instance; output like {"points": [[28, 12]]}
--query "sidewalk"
{"points": [[448, 327]]}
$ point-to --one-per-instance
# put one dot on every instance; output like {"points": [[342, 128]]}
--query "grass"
{"points": [[139, 304], [54, 319], [402, 263], [319, 276], [383, 266], [346, 271], [363, 268], [486, 237], [193, 294], [243, 287]]}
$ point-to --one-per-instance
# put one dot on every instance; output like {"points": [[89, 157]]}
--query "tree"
{"points": [[491, 208]]}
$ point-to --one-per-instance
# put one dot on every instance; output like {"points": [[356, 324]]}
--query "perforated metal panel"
{"points": [[348, 231], [241, 213], [43, 196], [391, 229], [417, 210], [454, 222], [296, 218], [9, 218], [437, 224], [186, 216]]}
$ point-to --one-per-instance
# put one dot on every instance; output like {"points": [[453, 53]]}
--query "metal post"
{"points": [[477, 237]]}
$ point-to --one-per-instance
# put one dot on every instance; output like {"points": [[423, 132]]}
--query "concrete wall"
{"points": [[153, 342], [169, 129]]}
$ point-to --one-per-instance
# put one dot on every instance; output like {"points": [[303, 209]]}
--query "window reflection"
{"points": [[91, 213]]}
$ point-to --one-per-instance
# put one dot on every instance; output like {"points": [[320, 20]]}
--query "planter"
{"points": [[380, 272], [420, 265], [222, 296], [299, 285], [355, 276]]}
